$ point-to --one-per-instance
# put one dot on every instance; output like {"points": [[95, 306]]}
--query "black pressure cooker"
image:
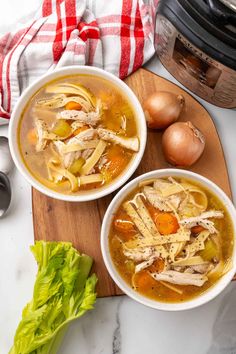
{"points": [[196, 42]]}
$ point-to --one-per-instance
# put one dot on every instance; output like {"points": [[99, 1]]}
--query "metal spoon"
{"points": [[5, 193], [6, 164]]}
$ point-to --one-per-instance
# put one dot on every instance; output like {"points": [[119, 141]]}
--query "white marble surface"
{"points": [[116, 325]]}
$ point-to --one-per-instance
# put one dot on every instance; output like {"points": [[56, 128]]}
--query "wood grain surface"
{"points": [[80, 223]]}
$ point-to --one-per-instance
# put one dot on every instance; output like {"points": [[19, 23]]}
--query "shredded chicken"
{"points": [[69, 157], [177, 268], [76, 124], [174, 277], [174, 200], [188, 270], [128, 143], [139, 255], [203, 221], [41, 127], [90, 118], [161, 184], [102, 162], [145, 264], [87, 153], [85, 135], [156, 199], [203, 268], [216, 214]]}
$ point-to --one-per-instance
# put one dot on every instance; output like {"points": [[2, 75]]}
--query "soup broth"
{"points": [[78, 133], [171, 239]]}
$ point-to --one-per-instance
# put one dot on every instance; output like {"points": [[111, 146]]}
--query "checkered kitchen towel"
{"points": [[116, 35]]}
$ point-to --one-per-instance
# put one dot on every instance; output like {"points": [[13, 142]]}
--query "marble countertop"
{"points": [[116, 325]]}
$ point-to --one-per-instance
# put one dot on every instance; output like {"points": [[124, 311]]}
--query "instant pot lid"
{"points": [[217, 18], [223, 10], [231, 4], [197, 21]]}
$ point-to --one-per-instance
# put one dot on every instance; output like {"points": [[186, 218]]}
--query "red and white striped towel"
{"points": [[116, 35]]}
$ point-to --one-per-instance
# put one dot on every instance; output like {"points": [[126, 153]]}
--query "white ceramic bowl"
{"points": [[203, 298], [83, 195]]}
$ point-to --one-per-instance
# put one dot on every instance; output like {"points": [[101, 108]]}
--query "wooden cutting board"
{"points": [[80, 223]]}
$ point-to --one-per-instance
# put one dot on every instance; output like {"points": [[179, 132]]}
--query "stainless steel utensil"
{"points": [[5, 193], [6, 164]]}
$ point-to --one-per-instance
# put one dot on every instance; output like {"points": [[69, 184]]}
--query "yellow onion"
{"points": [[182, 144], [162, 108]]}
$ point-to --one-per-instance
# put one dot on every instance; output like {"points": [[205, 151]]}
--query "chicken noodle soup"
{"points": [[171, 239], [78, 132]]}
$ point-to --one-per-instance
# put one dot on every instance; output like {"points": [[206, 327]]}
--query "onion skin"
{"points": [[182, 144], [162, 108]]}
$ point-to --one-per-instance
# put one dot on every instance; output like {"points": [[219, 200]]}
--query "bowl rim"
{"points": [[56, 74], [205, 297]]}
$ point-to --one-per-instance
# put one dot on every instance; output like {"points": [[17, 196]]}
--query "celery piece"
{"points": [[75, 168], [63, 292], [62, 128], [210, 251]]}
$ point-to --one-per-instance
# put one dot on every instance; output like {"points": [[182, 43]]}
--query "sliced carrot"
{"points": [[144, 281], [197, 229], [157, 266], [73, 105], [122, 223], [152, 210], [116, 160], [116, 165], [32, 136], [79, 130], [166, 223]]}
